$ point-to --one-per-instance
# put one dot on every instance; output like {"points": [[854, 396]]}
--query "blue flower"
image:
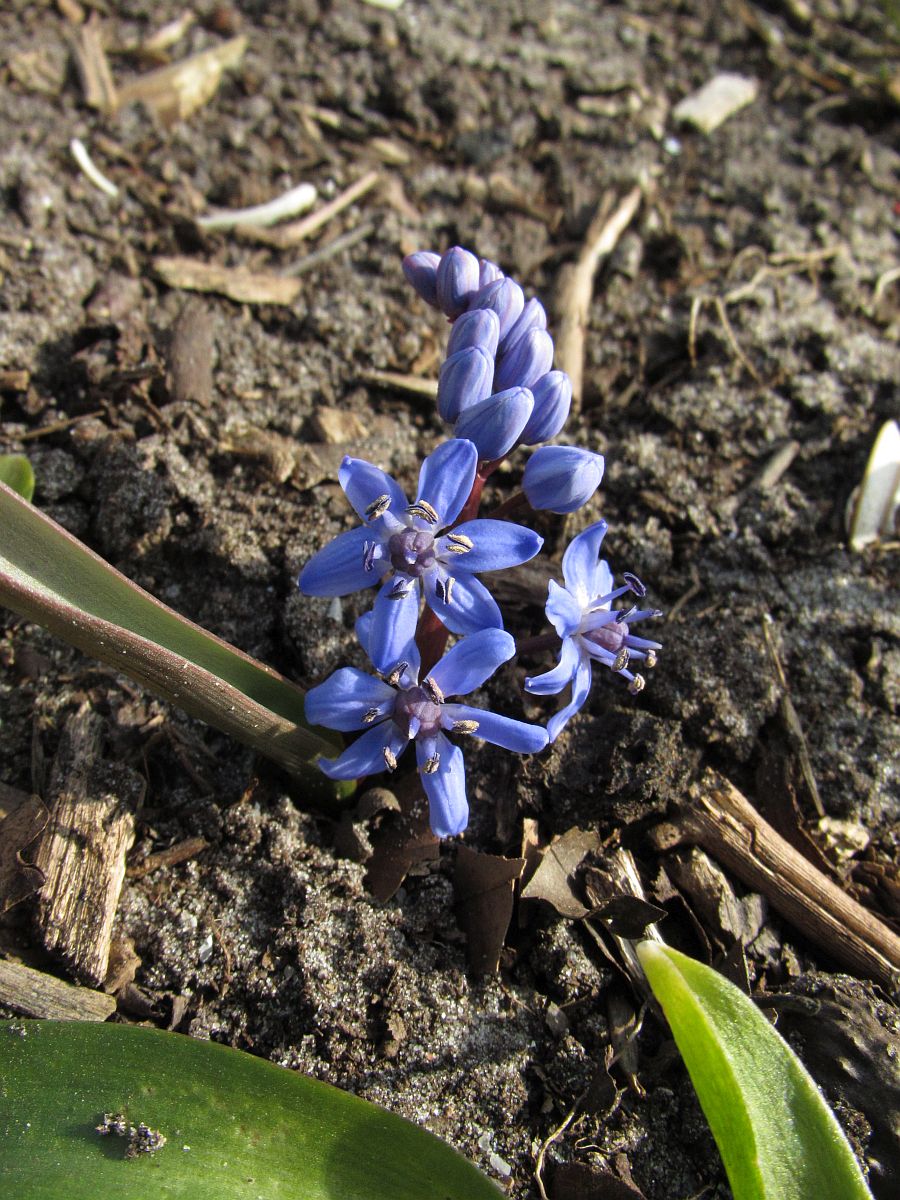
{"points": [[400, 709], [561, 479], [591, 630], [412, 549]]}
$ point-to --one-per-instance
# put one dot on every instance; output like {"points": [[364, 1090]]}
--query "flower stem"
{"points": [[532, 645]]}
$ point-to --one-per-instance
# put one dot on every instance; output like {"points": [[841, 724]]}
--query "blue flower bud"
{"points": [[420, 270], [533, 316], [480, 327], [529, 359], [561, 478], [466, 378], [458, 275], [488, 272], [505, 297], [552, 401], [495, 424]]}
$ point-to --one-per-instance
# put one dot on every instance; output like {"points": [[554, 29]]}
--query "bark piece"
{"points": [[725, 824], [19, 879], [237, 283], [36, 994], [82, 852], [189, 361]]}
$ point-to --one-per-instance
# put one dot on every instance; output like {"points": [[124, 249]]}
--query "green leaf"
{"points": [[50, 577], [236, 1127], [778, 1138], [16, 472]]}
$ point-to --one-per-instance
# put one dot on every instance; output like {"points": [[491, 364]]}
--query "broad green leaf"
{"points": [[16, 472], [778, 1138], [236, 1127], [50, 577]]}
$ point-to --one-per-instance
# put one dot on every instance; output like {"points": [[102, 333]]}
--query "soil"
{"points": [[501, 128]]}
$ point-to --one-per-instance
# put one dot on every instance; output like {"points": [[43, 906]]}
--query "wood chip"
{"points": [[189, 357], [18, 878], [172, 93], [237, 283], [336, 426], [720, 98], [178, 853], [36, 994], [82, 851], [726, 824], [484, 884], [93, 68]]}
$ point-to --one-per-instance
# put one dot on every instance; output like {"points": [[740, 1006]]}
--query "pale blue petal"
{"points": [[561, 479], [471, 661], [393, 626], [563, 611], [466, 378], [580, 689], [471, 607], [366, 755], [365, 483], [557, 677], [420, 270], [446, 478], [457, 278], [533, 316], [494, 425], [496, 545], [580, 561], [346, 697], [448, 808], [363, 629], [527, 361], [552, 401], [480, 327], [339, 568], [518, 736]]}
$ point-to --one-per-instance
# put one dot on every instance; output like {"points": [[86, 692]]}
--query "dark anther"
{"points": [[465, 726], [369, 549], [432, 764], [459, 543], [390, 759], [423, 509], [651, 658], [433, 690], [400, 590], [634, 583], [394, 678], [370, 716], [444, 587], [378, 507], [621, 659], [636, 685], [624, 613]]}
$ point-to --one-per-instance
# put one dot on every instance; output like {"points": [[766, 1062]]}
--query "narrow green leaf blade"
{"points": [[778, 1138], [50, 577], [236, 1127], [16, 472]]}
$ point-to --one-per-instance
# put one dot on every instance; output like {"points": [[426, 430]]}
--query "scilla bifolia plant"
{"points": [[498, 392]]}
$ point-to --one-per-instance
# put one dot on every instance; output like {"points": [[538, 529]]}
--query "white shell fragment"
{"points": [[716, 101], [297, 200], [87, 165], [874, 504]]}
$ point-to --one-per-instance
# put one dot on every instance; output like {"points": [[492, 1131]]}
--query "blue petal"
{"points": [[364, 483], [518, 736], [466, 378], [339, 568], [410, 677], [528, 360], [533, 316], [458, 276], [363, 628], [470, 662], [344, 699], [563, 610], [446, 479], [580, 689], [552, 401], [487, 272], [496, 545], [495, 424], [506, 299], [580, 563], [480, 327], [393, 626], [448, 808], [420, 270], [366, 755], [472, 608], [561, 479], [557, 677]]}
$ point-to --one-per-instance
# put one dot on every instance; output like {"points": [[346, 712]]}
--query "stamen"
{"points": [[444, 588], [378, 507], [651, 658], [634, 583], [464, 726], [400, 590], [433, 690], [423, 509], [621, 660], [637, 685], [369, 549], [460, 544], [390, 759], [624, 613], [432, 764], [394, 678], [371, 715]]}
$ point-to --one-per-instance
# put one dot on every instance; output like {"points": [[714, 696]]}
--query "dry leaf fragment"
{"points": [[173, 93], [552, 880], [237, 283], [579, 1181], [483, 884], [19, 879], [628, 916]]}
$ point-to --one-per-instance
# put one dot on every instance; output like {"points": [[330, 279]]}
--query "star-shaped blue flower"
{"points": [[412, 550], [400, 709], [591, 630]]}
